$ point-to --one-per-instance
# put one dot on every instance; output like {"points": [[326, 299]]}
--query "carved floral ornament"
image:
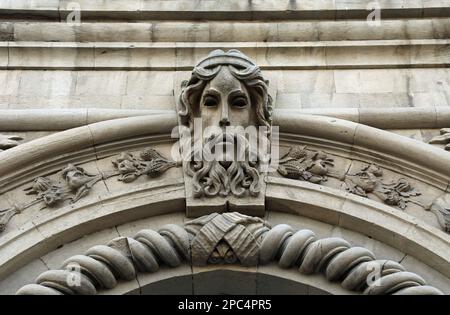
{"points": [[316, 166], [298, 163], [230, 238], [76, 182]]}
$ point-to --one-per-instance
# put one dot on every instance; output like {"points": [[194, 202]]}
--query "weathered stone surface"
{"points": [[333, 256], [354, 196]]}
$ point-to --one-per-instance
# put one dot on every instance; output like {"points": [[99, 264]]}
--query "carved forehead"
{"points": [[225, 81]]}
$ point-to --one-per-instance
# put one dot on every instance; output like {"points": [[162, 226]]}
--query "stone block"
{"points": [[149, 83], [109, 83], [21, 277], [6, 31], [47, 83], [344, 100], [157, 102], [49, 56], [321, 229], [268, 56], [291, 100], [430, 275], [316, 100], [311, 81], [131, 56], [347, 81], [4, 102], [152, 223], [295, 31], [431, 99], [242, 32], [9, 82], [428, 80], [380, 100], [181, 32], [382, 81], [54, 259]]}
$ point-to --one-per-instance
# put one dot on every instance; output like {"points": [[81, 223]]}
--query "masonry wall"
{"points": [[134, 54]]}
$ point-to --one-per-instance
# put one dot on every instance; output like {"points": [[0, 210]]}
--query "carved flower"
{"points": [[393, 198], [396, 194], [405, 189], [40, 184], [303, 165], [127, 166], [370, 170], [47, 191], [53, 196], [75, 176], [297, 152]]}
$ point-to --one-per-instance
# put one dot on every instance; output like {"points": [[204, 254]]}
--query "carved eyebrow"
{"points": [[237, 93], [213, 92]]}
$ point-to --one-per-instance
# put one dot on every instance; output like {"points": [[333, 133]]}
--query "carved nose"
{"points": [[224, 122]]}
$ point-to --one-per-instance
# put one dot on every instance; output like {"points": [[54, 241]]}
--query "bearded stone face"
{"points": [[228, 96]]}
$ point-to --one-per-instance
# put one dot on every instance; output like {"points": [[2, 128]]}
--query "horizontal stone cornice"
{"points": [[230, 31], [382, 118], [57, 10], [183, 56]]}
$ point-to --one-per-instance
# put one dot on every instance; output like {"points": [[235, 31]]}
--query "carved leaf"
{"points": [[297, 152], [444, 138], [47, 191], [301, 165], [7, 142], [150, 154], [151, 163], [157, 167], [442, 211], [6, 215]]}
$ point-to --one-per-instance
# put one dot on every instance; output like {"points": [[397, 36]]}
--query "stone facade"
{"points": [[94, 187]]}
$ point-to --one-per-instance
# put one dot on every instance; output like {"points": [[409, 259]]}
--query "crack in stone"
{"points": [[46, 265], [403, 258]]}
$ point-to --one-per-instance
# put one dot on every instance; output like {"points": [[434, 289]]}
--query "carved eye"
{"points": [[239, 102], [210, 101]]}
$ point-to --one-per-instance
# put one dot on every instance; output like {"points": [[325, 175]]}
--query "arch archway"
{"points": [[229, 238], [124, 202]]}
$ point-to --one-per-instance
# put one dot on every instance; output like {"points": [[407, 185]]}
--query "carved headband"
{"points": [[232, 57]]}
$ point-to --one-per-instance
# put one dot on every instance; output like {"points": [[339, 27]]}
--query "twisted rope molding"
{"points": [[228, 238]]}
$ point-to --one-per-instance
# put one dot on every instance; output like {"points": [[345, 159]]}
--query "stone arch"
{"points": [[228, 238], [20, 165]]}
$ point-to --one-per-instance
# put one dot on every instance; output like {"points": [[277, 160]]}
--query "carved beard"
{"points": [[212, 177]]}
